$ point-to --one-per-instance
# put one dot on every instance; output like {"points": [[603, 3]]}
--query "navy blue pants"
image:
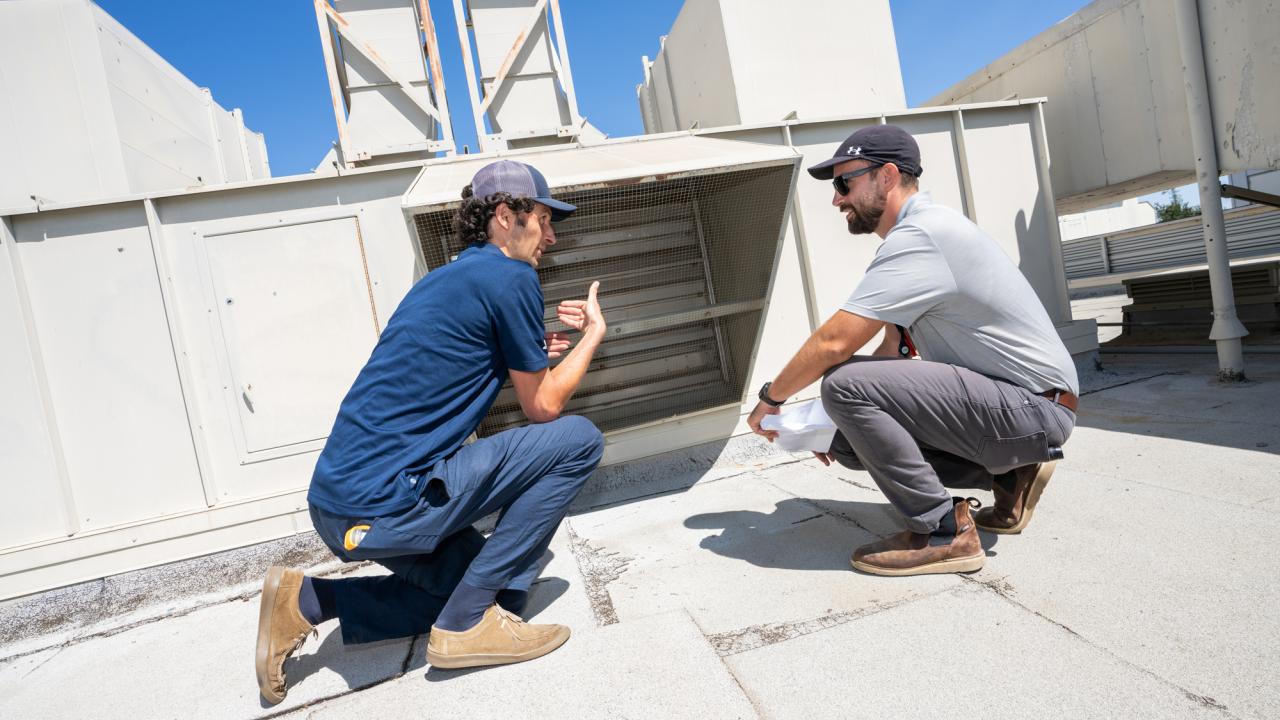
{"points": [[529, 475]]}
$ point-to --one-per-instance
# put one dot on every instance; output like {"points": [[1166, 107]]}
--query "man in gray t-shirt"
{"points": [[989, 402]]}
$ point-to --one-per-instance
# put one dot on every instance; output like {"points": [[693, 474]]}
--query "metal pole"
{"points": [[1227, 329]]}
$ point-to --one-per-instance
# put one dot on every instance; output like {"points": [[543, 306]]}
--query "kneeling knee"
{"points": [[586, 436], [842, 385]]}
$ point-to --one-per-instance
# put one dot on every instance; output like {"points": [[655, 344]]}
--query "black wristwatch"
{"points": [[764, 397]]}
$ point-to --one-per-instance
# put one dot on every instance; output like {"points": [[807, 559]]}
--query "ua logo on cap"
{"points": [[855, 150]]}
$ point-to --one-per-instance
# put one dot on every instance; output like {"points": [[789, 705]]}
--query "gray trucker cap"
{"points": [[518, 180]]}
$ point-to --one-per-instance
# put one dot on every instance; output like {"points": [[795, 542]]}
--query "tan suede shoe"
{"points": [[281, 630], [1013, 511], [499, 638], [909, 553]]}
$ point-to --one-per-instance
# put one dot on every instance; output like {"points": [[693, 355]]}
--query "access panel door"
{"points": [[297, 322]]}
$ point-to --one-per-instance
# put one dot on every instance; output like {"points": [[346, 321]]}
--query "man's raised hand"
{"points": [[582, 315]]}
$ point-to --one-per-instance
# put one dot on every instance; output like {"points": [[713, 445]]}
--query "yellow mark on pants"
{"points": [[354, 536]]}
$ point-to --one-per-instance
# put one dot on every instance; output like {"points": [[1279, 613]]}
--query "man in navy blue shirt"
{"points": [[396, 485]]}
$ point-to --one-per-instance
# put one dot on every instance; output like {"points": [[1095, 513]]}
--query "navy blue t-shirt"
{"points": [[431, 379]]}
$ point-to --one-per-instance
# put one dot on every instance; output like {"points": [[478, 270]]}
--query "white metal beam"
{"points": [[335, 87], [566, 74], [468, 63]]}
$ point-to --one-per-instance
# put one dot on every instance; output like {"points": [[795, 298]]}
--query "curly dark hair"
{"points": [[471, 222]]}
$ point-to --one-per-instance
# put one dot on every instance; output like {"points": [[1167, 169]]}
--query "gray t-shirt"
{"points": [[963, 300]]}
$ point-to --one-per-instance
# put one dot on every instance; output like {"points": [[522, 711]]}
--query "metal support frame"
{"points": [[711, 290], [1255, 196], [330, 20], [481, 100], [335, 85], [1227, 328]]}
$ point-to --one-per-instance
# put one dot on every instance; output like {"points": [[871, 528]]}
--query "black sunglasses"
{"points": [[841, 182]]}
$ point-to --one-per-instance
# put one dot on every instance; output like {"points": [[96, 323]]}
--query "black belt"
{"points": [[1065, 398]]}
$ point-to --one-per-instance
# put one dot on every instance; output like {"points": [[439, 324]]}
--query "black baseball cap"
{"points": [[518, 180], [880, 144]]}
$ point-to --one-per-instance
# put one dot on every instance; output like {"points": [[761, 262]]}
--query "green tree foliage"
{"points": [[1175, 209]]}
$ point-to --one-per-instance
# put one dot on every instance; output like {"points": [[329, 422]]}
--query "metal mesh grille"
{"points": [[684, 268]]}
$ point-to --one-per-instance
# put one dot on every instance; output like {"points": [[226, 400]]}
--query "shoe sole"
{"points": [[1038, 484], [454, 662], [954, 565], [270, 586]]}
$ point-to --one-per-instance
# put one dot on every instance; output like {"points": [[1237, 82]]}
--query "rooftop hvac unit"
{"points": [[683, 234]]}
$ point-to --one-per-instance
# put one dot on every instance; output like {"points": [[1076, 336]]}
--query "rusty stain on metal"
{"points": [[432, 46], [368, 281], [513, 53], [339, 108]]}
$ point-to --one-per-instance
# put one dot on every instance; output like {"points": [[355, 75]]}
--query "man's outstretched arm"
{"points": [[544, 394], [832, 343]]}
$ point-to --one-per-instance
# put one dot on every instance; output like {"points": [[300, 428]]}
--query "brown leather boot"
{"points": [[1012, 511], [499, 638], [909, 553], [281, 630]]}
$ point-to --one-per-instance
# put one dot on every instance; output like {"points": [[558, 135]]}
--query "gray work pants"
{"points": [[920, 427]]}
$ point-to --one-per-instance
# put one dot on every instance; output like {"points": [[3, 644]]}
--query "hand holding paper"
{"points": [[804, 426]]}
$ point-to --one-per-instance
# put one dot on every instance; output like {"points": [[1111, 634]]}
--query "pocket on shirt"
{"points": [[999, 455]]}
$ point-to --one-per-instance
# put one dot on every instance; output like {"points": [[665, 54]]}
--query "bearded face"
{"points": [[863, 209]]}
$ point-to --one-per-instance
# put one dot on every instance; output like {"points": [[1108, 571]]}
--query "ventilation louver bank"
{"points": [[683, 234]]}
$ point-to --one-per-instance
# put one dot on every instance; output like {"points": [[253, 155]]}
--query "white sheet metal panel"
{"points": [[29, 483], [228, 143], [753, 61], [1117, 117], [259, 164], [531, 99], [664, 108], [796, 57], [88, 111], [297, 325], [57, 131], [161, 116], [95, 298], [698, 70]]}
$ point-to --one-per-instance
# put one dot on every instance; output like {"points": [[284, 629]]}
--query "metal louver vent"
{"points": [[684, 267]]}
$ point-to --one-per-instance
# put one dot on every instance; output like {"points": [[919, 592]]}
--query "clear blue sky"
{"points": [[265, 56]]}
